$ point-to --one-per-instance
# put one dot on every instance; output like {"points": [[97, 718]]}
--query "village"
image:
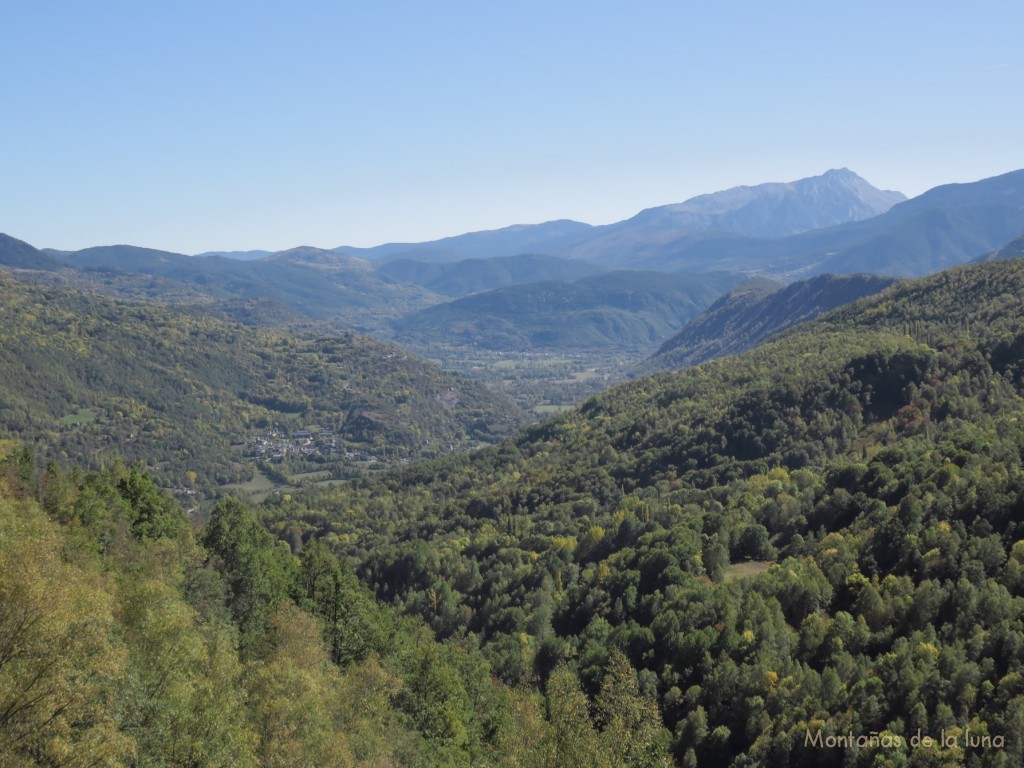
{"points": [[314, 444]]}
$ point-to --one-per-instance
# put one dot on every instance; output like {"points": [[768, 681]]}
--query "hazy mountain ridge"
{"points": [[1012, 250], [48, 268], [627, 310], [240, 255], [764, 210], [945, 226], [475, 275], [948, 225], [551, 237], [756, 311], [316, 283], [18, 254]]}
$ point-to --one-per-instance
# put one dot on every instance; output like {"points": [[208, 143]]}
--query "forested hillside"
{"points": [[820, 539], [126, 639], [188, 392]]}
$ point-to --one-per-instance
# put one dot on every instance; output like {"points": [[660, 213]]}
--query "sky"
{"points": [[196, 126]]}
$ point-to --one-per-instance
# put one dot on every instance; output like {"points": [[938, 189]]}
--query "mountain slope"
{"points": [[818, 537], [93, 376], [18, 254], [624, 310], [475, 275], [1012, 250], [945, 226], [49, 268], [755, 311]]}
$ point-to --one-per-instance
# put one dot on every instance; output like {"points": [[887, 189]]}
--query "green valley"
{"points": [[196, 395], [511, 385], [806, 548]]}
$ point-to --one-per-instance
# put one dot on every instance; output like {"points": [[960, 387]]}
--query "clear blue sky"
{"points": [[195, 126]]}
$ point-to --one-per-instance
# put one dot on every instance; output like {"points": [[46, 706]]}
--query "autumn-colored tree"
{"points": [[294, 693], [60, 663], [630, 723]]}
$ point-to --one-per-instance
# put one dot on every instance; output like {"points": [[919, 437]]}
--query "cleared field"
{"points": [[258, 489], [550, 410], [743, 570], [83, 416], [315, 476]]}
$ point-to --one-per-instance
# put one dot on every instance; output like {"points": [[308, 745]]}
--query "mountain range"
{"points": [[547, 286], [833, 223], [764, 210], [315, 283], [836, 222], [943, 227], [551, 237]]}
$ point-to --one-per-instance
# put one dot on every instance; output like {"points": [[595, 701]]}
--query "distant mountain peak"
{"points": [[776, 209], [841, 173]]}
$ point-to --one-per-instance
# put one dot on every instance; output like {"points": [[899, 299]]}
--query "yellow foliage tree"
{"points": [[59, 666]]}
